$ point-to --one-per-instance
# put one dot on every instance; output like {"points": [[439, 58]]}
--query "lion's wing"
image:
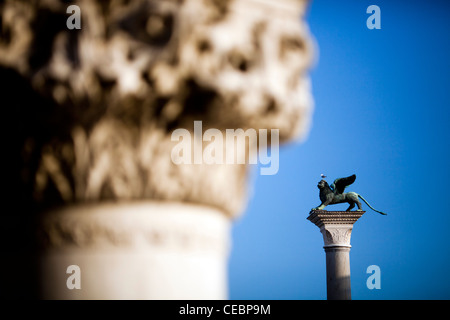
{"points": [[341, 183]]}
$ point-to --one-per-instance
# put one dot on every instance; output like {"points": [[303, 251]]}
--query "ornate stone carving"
{"points": [[335, 226], [91, 113], [97, 105], [337, 236]]}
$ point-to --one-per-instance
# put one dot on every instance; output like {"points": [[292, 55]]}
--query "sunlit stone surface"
{"points": [[92, 112]]}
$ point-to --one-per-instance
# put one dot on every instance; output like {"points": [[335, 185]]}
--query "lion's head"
{"points": [[322, 184]]}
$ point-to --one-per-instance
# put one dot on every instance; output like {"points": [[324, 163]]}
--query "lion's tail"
{"points": [[370, 205]]}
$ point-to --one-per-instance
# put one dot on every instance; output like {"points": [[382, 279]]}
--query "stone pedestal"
{"points": [[336, 228]]}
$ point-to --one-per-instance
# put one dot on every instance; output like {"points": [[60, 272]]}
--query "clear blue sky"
{"points": [[381, 112]]}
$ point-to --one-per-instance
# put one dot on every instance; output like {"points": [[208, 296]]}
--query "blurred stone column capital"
{"points": [[96, 108]]}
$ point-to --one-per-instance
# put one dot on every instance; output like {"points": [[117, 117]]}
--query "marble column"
{"points": [[336, 228], [136, 250], [90, 114]]}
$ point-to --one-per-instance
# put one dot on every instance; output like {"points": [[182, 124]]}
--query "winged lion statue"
{"points": [[334, 194]]}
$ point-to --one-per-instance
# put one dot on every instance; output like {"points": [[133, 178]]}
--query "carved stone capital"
{"points": [[98, 105], [91, 115], [335, 226], [337, 235]]}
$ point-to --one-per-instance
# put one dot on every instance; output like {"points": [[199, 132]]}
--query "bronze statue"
{"points": [[335, 194]]}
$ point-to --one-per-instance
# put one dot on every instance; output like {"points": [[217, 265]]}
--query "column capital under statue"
{"points": [[335, 226]]}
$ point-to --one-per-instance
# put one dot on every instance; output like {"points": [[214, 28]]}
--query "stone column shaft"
{"points": [[338, 273]]}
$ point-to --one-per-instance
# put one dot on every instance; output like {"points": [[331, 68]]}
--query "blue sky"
{"points": [[381, 112]]}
